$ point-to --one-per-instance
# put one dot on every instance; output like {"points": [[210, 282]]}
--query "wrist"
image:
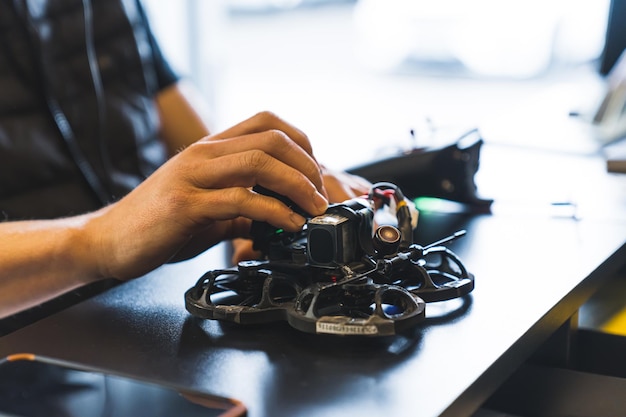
{"points": [[82, 246]]}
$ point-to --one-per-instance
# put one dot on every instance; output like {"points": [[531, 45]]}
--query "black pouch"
{"points": [[445, 172]]}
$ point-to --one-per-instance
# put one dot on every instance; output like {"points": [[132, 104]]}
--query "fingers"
{"points": [[226, 192], [243, 250], [275, 143], [342, 186], [255, 167], [212, 180], [265, 121]]}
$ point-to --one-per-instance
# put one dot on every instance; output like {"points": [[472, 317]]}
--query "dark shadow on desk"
{"points": [[450, 311], [282, 362]]}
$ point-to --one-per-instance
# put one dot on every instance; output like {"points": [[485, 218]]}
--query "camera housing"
{"points": [[336, 237]]}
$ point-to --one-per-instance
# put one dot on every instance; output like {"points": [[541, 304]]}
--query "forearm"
{"points": [[42, 259]]}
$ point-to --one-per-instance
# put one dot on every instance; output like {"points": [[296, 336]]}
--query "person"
{"points": [[108, 168]]}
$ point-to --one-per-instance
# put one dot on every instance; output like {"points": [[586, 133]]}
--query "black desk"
{"points": [[534, 263]]}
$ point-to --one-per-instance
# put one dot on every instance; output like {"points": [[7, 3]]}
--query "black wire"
{"points": [[58, 116], [403, 214], [98, 92]]}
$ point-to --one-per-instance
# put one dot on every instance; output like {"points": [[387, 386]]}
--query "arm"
{"points": [[184, 116], [199, 197], [35, 257]]}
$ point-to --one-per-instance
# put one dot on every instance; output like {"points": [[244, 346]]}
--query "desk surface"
{"points": [[535, 264]]}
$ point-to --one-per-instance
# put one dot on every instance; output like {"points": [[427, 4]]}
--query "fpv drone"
{"points": [[340, 275]]}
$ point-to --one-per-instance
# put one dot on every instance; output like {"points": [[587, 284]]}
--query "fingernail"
{"points": [[320, 202]]}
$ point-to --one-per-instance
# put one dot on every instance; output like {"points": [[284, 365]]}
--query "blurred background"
{"points": [[366, 78]]}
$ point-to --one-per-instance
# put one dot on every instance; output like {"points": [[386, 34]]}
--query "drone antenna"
{"points": [[450, 238]]}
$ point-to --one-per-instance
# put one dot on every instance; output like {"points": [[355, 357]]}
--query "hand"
{"points": [[203, 195], [340, 186]]}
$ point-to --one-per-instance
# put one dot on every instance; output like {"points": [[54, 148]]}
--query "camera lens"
{"points": [[321, 246], [387, 240]]}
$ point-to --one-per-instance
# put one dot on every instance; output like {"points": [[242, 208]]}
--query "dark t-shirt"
{"points": [[78, 122], [33, 199]]}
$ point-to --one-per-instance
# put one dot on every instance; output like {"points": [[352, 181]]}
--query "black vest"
{"points": [[78, 124]]}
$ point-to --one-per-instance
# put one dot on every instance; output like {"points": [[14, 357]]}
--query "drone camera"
{"points": [[334, 238]]}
